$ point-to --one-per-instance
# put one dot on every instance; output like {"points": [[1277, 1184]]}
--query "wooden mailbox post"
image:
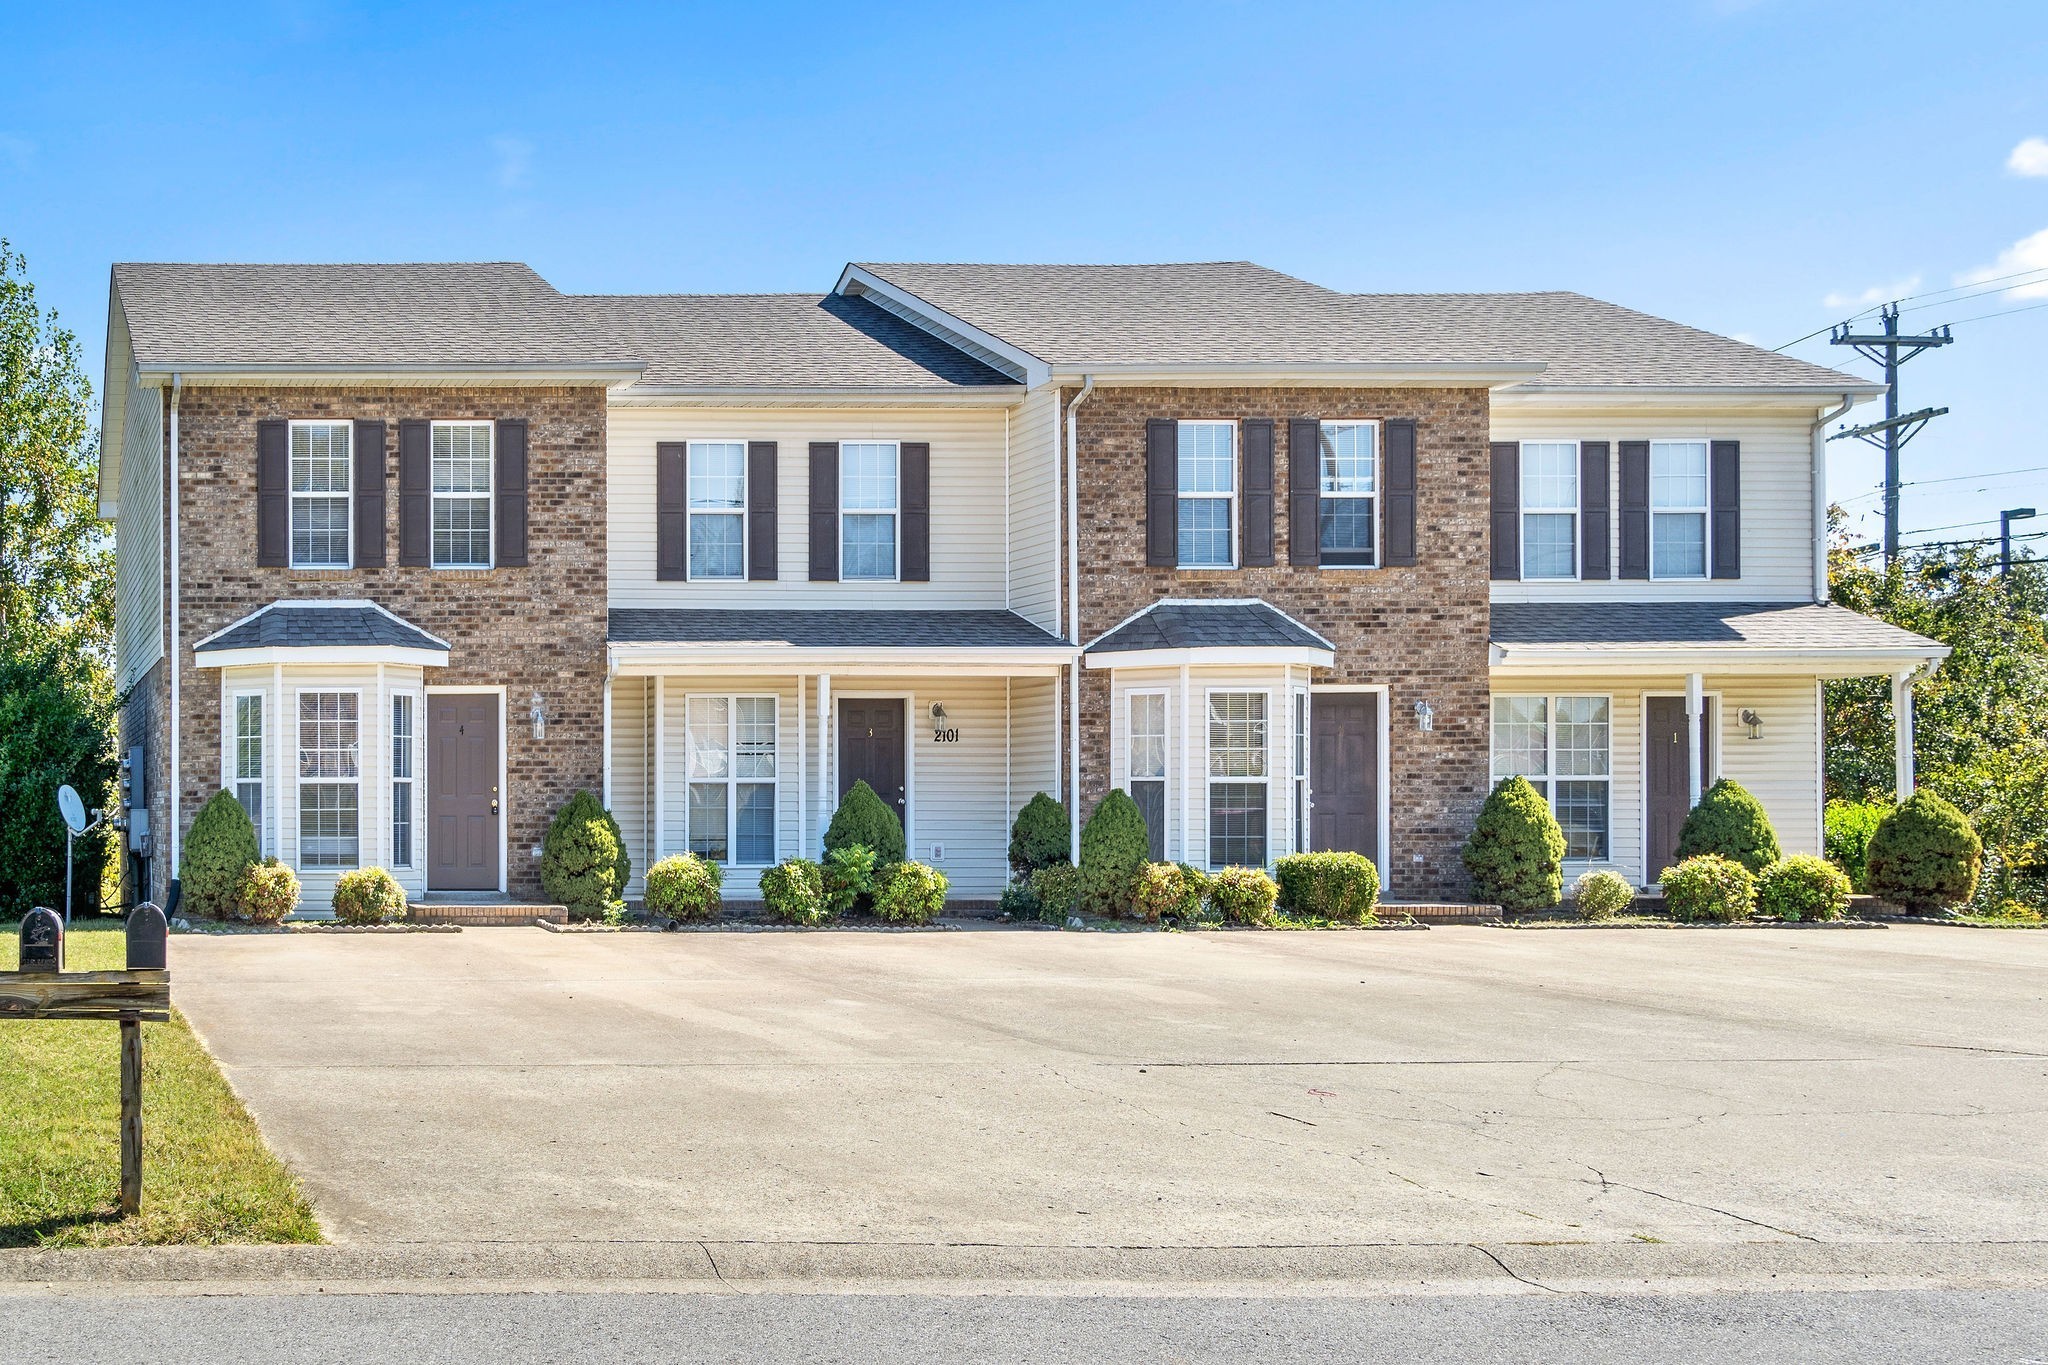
{"points": [[42, 989]]}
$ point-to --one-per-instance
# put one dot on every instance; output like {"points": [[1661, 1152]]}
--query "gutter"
{"points": [[177, 661], [1820, 496], [1074, 615]]}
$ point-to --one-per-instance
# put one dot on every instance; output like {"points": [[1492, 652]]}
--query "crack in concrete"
{"points": [[1606, 1184], [1512, 1273]]}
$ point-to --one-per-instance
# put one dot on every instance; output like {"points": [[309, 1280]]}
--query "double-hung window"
{"points": [[462, 495], [1145, 741], [1550, 509], [1678, 509], [1208, 495], [248, 759], [1350, 494], [1564, 746], [322, 465], [404, 783], [731, 765], [718, 509], [329, 779], [1237, 779], [868, 487]]}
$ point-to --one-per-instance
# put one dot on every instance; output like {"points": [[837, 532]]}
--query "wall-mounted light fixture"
{"points": [[938, 713], [538, 711], [1425, 716], [1754, 721]]}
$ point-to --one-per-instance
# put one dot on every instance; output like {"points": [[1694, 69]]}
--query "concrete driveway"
{"points": [[1027, 1090]]}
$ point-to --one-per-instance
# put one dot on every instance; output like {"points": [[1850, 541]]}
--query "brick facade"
{"points": [[1422, 631]]}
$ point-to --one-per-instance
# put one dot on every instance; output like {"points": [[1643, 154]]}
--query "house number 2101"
{"points": [[946, 735]]}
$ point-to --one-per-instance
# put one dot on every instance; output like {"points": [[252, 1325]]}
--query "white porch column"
{"points": [[1695, 761], [803, 776], [1902, 731], [607, 739], [1074, 758], [660, 764], [824, 753]]}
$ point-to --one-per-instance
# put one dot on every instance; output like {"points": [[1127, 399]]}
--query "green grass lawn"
{"points": [[206, 1175]]}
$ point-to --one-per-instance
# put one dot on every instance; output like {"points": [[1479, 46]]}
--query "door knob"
{"points": [[494, 805]]}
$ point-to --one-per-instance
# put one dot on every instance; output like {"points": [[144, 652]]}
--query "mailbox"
{"points": [[42, 941], [149, 936]]}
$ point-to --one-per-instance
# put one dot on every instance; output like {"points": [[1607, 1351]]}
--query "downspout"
{"points": [[1074, 617], [174, 785], [1820, 497]]}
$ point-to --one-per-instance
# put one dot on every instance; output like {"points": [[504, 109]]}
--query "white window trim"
{"points": [[1210, 780], [1551, 776], [1705, 511], [299, 781], [415, 862], [347, 497], [230, 761], [1228, 499], [1376, 497], [1124, 717], [489, 495], [690, 513], [894, 512], [1577, 513], [732, 781]]}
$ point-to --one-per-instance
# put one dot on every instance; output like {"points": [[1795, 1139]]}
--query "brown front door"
{"points": [[462, 791], [1667, 776], [871, 748], [1344, 773]]}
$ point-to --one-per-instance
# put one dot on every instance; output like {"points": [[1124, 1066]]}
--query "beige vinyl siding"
{"points": [[1035, 762], [1034, 550], [138, 540], [1777, 496], [968, 562], [632, 770]]}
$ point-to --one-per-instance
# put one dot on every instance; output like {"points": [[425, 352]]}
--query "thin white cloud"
{"points": [[515, 162], [2030, 158], [1877, 293], [2027, 254]]}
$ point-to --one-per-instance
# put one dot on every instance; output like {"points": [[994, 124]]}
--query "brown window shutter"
{"points": [[1162, 492], [1304, 491], [763, 564], [273, 494], [1724, 495], [671, 511], [1505, 510], [415, 494], [1635, 509], [824, 511], [1255, 468], [1398, 497], [1593, 514], [511, 477], [916, 550], [368, 439]]}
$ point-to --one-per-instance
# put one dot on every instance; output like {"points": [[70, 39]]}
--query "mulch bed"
{"points": [[1676, 924]]}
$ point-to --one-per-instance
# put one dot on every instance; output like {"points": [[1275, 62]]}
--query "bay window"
{"points": [[1564, 746], [247, 756], [403, 781], [329, 779], [1145, 750], [1237, 779], [731, 766]]}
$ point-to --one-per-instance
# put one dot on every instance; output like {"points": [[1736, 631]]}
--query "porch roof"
{"points": [[1821, 637], [1175, 630], [833, 640], [343, 630]]}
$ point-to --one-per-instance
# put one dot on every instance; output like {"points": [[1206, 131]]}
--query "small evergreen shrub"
{"points": [[1730, 822], [1114, 845], [849, 879], [220, 844], [793, 891], [910, 893], [864, 818], [1244, 895], [1848, 826], [1342, 887], [1802, 887], [684, 888], [1516, 852], [1058, 889], [1709, 887], [584, 866], [1602, 895], [1163, 891], [1924, 855], [1040, 836], [1019, 901], [368, 895], [267, 892]]}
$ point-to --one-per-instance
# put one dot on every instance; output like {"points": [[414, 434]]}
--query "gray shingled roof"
{"points": [[1208, 625], [906, 630], [777, 340], [1619, 626], [285, 625]]}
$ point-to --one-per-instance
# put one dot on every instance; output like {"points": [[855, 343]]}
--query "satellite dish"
{"points": [[72, 809]]}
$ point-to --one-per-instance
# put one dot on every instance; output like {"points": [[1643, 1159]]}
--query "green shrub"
{"points": [[864, 818], [684, 888], [1019, 901], [267, 892], [1516, 852], [850, 879], [1243, 895], [220, 844], [1924, 855], [1802, 887], [1114, 845], [1848, 826], [793, 891], [1058, 889], [1163, 891], [1709, 887], [583, 862], [57, 717], [1041, 836], [1730, 822], [1342, 887], [1602, 895], [368, 895], [910, 893]]}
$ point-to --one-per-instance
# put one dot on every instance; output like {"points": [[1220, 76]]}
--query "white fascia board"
{"points": [[992, 396], [1294, 374], [1806, 396], [854, 281], [608, 373], [117, 376], [1825, 663], [321, 656], [635, 658], [1271, 656]]}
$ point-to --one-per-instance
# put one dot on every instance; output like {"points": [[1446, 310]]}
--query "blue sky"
{"points": [[1756, 167]]}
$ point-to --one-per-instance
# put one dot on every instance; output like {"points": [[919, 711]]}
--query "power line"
{"points": [[2001, 313], [1877, 490], [1863, 550], [1929, 294], [1891, 349]]}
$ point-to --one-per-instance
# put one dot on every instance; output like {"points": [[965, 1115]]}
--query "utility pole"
{"points": [[2005, 521], [1890, 350]]}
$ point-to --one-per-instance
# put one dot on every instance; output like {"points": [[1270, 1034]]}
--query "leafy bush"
{"points": [[583, 861], [1244, 895], [1516, 852], [1167, 891], [1019, 901], [864, 818], [793, 891], [1730, 822], [1041, 836], [1802, 887], [1334, 886], [683, 888], [1924, 855], [1058, 889], [911, 893], [1849, 825], [219, 846], [1709, 887], [1114, 845], [1602, 895], [368, 895], [267, 892], [56, 727], [850, 879]]}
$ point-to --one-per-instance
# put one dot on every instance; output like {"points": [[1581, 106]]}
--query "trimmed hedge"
{"points": [[1019, 901], [793, 891], [1058, 889], [583, 861], [1243, 895], [1342, 887], [1730, 822], [1040, 836], [1709, 887], [1924, 855], [683, 888], [1602, 895], [849, 879], [220, 845], [1516, 852], [865, 819], [368, 895], [1802, 887], [267, 892], [1848, 826], [1114, 846], [911, 893], [1163, 891]]}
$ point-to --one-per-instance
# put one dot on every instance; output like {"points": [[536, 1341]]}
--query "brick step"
{"points": [[482, 915], [1439, 912]]}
